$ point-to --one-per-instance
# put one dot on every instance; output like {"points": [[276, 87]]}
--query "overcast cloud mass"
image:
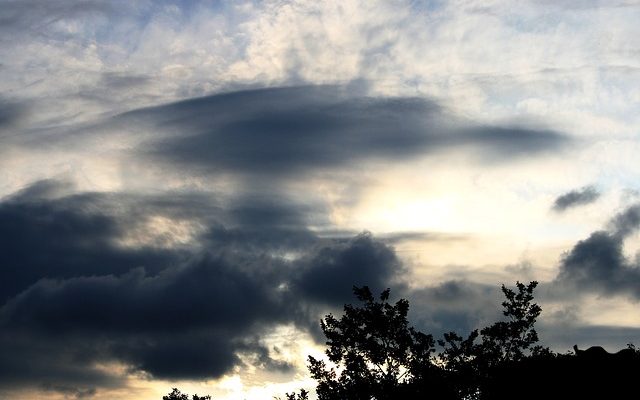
{"points": [[187, 187]]}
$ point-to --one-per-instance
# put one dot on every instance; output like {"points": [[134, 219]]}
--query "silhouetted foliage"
{"points": [[176, 395], [381, 355], [470, 362], [378, 356], [303, 395], [590, 373]]}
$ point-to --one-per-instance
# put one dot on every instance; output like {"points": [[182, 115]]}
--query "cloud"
{"points": [[75, 297], [40, 18], [564, 336], [67, 63], [187, 322], [120, 80], [454, 305], [59, 238], [197, 312], [598, 263], [288, 131], [626, 223], [77, 393], [331, 272], [10, 114], [574, 198]]}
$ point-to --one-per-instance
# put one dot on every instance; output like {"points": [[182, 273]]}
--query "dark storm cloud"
{"points": [[31, 359], [73, 297], [187, 322], [290, 130], [599, 264], [462, 306], [331, 272], [575, 198], [63, 238]]}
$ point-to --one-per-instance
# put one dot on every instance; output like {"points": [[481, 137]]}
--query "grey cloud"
{"points": [[189, 321], [267, 222], [10, 114], [63, 238], [72, 297], [260, 238], [32, 360], [397, 237], [455, 305], [627, 222], [564, 336], [598, 263], [123, 81], [262, 357], [41, 190], [574, 198], [595, 261], [331, 272], [290, 130], [197, 313], [74, 392]]}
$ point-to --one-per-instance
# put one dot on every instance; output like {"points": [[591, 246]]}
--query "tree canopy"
{"points": [[375, 354], [175, 394], [378, 355], [381, 354]]}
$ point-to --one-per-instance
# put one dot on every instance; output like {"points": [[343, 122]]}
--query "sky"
{"points": [[187, 187]]}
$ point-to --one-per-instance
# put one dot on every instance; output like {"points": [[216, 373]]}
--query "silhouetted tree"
{"points": [[515, 338], [471, 362], [380, 355], [377, 355], [176, 395]]}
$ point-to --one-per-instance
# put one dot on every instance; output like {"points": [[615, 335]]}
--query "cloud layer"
{"points": [[179, 178], [75, 297], [290, 130]]}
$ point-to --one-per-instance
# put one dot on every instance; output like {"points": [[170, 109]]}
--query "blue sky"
{"points": [[235, 167]]}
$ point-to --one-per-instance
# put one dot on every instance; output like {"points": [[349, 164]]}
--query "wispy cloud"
{"points": [[575, 198]]}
